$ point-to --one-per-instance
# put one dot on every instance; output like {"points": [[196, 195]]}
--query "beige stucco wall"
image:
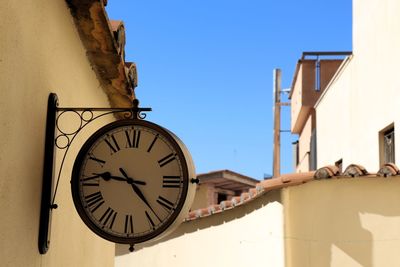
{"points": [[296, 101], [247, 235], [343, 222], [201, 199], [304, 146], [365, 97], [40, 52]]}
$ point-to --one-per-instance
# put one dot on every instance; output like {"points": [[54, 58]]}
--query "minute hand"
{"points": [[139, 193]]}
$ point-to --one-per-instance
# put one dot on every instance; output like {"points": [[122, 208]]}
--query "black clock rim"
{"points": [[77, 170]]}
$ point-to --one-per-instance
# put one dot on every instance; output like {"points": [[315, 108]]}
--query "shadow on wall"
{"points": [[343, 222], [217, 219]]}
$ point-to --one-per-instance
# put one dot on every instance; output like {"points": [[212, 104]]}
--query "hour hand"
{"points": [[107, 176]]}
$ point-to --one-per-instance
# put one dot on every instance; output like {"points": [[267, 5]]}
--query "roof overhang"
{"points": [[104, 41]]}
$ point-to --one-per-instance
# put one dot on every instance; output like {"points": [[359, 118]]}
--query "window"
{"points": [[221, 197], [317, 75], [387, 145], [296, 158]]}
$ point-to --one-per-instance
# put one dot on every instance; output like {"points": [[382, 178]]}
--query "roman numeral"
{"points": [[112, 143], [93, 157], [165, 203], [164, 161], [88, 181], [128, 224], [171, 181], [108, 218], [132, 139], [94, 201], [91, 184], [150, 220], [152, 143]]}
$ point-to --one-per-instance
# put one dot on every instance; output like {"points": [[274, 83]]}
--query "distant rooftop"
{"points": [[227, 179]]}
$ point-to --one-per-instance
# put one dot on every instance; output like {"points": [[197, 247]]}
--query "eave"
{"points": [[104, 42]]}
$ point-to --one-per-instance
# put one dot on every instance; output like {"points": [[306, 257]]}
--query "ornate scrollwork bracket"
{"points": [[60, 138]]}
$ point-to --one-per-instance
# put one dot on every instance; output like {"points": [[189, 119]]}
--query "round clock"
{"points": [[132, 181]]}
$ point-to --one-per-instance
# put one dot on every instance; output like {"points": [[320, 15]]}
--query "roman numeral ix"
{"points": [[88, 181]]}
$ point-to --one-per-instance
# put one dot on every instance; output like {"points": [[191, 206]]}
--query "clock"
{"points": [[133, 181]]}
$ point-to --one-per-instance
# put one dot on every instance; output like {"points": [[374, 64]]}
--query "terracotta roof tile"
{"points": [[292, 179], [215, 208], [115, 24], [355, 170], [388, 169], [327, 172], [252, 192], [105, 48], [286, 180], [245, 197], [227, 204], [236, 201]]}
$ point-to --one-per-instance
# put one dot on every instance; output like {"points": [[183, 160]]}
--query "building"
{"points": [[345, 212], [364, 94], [357, 92], [317, 218], [312, 75], [218, 186], [72, 49]]}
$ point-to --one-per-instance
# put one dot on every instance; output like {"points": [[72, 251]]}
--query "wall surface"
{"points": [[343, 222], [247, 235], [40, 52], [304, 146], [365, 97], [202, 197]]}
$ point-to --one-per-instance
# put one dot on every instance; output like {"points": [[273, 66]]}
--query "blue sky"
{"points": [[205, 67]]}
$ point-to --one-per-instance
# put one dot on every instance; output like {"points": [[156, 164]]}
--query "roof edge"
{"points": [[104, 42]]}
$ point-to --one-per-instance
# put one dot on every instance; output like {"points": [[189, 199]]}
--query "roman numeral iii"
{"points": [[171, 181]]}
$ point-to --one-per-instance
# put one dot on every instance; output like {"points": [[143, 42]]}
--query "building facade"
{"points": [[358, 113], [218, 186], [45, 49], [352, 118], [312, 75], [335, 216]]}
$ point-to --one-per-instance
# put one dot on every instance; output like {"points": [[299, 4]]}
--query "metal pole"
{"points": [[276, 167]]}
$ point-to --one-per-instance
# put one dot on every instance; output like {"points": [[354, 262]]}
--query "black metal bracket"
{"points": [[60, 138]]}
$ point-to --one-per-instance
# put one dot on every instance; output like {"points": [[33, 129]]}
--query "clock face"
{"points": [[130, 181]]}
